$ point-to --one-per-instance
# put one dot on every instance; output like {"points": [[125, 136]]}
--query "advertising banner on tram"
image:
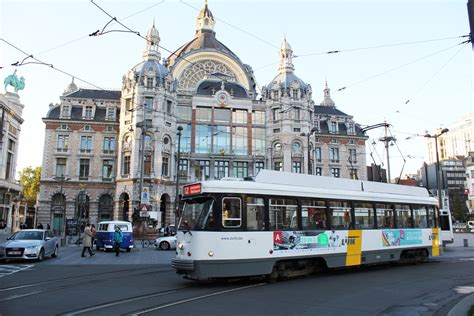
{"points": [[401, 237]]}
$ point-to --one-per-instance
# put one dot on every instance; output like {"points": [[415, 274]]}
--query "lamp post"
{"points": [[176, 197], [438, 169], [312, 131]]}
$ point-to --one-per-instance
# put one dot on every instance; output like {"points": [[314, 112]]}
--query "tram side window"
{"points": [[313, 213], [419, 216], [255, 213], [384, 216], [340, 215], [283, 214], [431, 216], [403, 216], [364, 215], [231, 212]]}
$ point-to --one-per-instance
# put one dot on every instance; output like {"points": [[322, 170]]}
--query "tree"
{"points": [[30, 182]]}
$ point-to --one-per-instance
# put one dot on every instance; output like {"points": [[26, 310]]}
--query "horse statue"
{"points": [[12, 80]]}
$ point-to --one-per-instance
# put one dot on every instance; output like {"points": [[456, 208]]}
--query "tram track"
{"points": [[93, 276]]}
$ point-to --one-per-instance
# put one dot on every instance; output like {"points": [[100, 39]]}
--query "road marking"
{"points": [[14, 297], [10, 269], [194, 299], [464, 289]]}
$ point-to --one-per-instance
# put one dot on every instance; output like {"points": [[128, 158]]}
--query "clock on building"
{"points": [[222, 98]]}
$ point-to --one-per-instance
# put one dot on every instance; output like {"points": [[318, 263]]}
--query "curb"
{"points": [[463, 306]]}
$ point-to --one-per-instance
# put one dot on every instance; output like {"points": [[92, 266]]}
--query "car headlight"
{"points": [[31, 248]]}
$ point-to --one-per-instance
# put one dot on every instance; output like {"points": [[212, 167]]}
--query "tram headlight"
{"points": [[210, 253], [181, 245]]}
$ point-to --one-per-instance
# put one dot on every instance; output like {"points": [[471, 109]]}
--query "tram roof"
{"points": [[270, 182]]}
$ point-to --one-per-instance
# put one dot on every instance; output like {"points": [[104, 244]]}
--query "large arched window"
{"points": [[82, 209], [106, 207]]}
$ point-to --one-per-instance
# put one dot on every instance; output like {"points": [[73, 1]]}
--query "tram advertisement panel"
{"points": [[401, 237], [286, 240]]}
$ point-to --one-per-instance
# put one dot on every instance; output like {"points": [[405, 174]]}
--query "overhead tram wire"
{"points": [[396, 68]]}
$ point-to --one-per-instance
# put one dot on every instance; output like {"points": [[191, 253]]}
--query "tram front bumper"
{"points": [[181, 265]]}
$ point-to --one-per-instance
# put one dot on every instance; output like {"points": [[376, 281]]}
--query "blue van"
{"points": [[105, 235]]}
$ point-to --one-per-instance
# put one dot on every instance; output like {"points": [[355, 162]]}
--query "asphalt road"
{"points": [[109, 285]]}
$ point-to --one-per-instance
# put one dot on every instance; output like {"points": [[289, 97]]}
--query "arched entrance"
{"points": [[106, 207], [58, 208], [165, 198], [82, 208], [125, 205]]}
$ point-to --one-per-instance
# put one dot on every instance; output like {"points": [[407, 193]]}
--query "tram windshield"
{"points": [[197, 214]]}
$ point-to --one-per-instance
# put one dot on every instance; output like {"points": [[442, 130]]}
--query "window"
{"points": [[333, 127], [384, 216], [259, 165], [184, 113], [231, 212], [353, 174], [84, 165], [65, 111], [319, 171], [221, 139], [296, 167], [431, 217], [297, 114], [149, 83], [63, 143], [147, 164], [334, 154], [403, 216], [183, 168], [420, 218], [9, 166], [185, 141], [278, 166], [296, 147], [352, 156], [107, 169], [313, 213], [319, 155], [336, 172], [276, 130], [340, 215], [148, 104], [126, 165], [128, 105], [222, 116], [86, 144], [165, 166], [239, 140], [88, 112], [221, 169], [295, 96], [258, 141], [110, 116], [204, 169], [203, 114], [60, 167], [350, 129], [283, 214], [240, 169], [255, 213], [203, 139], [363, 215], [109, 145], [258, 117], [276, 114], [169, 107], [239, 117]]}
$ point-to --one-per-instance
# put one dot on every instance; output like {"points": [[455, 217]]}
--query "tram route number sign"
{"points": [[72, 227]]}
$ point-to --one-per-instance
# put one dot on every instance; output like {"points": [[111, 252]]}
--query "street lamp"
{"points": [[176, 197], [438, 178], [313, 130]]}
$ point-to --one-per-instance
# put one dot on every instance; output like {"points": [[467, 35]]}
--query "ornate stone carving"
{"points": [[201, 70]]}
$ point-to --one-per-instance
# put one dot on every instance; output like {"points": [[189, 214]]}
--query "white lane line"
{"points": [[193, 299], [14, 297], [17, 269], [85, 310]]}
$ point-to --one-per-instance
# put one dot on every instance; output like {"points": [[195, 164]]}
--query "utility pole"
{"points": [[176, 198], [387, 139], [470, 13]]}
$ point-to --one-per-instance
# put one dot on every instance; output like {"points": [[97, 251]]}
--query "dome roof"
{"points": [[150, 65], [70, 87], [286, 79], [153, 35], [327, 101]]}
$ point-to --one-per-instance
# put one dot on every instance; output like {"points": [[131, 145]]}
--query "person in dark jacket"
{"points": [[118, 236]]}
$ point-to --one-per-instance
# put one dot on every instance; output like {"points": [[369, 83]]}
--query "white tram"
{"points": [[283, 224]]}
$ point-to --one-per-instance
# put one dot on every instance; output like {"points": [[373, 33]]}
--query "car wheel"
{"points": [[55, 253], [129, 249], [97, 247], [41, 255], [164, 245]]}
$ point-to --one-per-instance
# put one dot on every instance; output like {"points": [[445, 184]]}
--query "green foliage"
{"points": [[30, 182], [459, 210]]}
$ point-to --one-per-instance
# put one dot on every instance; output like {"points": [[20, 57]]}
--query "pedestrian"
{"points": [[167, 230], [87, 241], [94, 234], [118, 236], [48, 227], [40, 226]]}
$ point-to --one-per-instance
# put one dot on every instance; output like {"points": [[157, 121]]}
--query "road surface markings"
{"points": [[10, 269], [464, 289], [193, 299]]}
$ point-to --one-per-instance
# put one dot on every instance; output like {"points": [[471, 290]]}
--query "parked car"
{"points": [[165, 243], [30, 244]]}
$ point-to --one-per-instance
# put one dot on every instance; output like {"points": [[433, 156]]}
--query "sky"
{"points": [[399, 60]]}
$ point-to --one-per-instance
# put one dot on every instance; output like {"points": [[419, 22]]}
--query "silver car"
{"points": [[30, 244], [165, 243]]}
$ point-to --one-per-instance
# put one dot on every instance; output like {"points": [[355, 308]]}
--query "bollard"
{"points": [[466, 244]]}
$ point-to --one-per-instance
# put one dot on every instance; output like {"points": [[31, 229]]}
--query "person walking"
{"points": [[40, 226], [87, 241], [118, 236]]}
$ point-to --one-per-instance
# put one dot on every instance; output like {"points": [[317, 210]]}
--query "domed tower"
{"points": [[148, 126], [70, 87], [223, 123], [289, 115]]}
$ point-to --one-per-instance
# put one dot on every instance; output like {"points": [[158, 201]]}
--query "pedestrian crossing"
{"points": [[7, 269]]}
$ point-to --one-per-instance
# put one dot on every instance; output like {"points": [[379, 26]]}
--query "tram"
{"points": [[284, 224]]}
